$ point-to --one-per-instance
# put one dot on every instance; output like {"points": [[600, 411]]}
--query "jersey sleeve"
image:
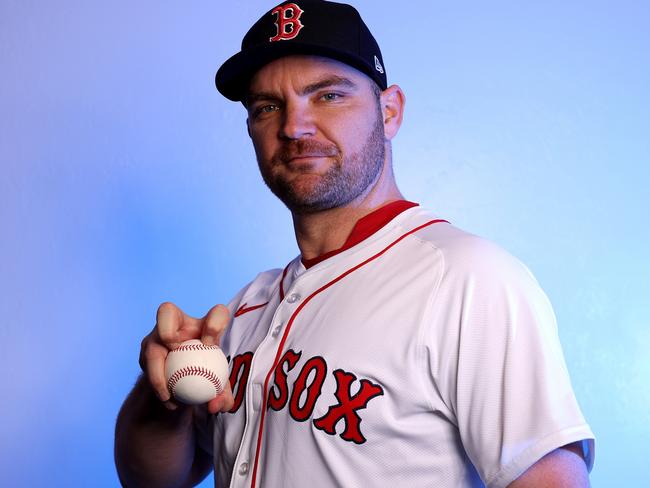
{"points": [[494, 360]]}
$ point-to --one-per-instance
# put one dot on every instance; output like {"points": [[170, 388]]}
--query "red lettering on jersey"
{"points": [[288, 22], [240, 364], [347, 407], [277, 402], [318, 365]]}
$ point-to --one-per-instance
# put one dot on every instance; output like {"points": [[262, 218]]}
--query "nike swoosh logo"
{"points": [[244, 309]]}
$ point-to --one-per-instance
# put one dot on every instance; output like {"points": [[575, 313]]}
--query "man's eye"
{"points": [[331, 96], [265, 109]]}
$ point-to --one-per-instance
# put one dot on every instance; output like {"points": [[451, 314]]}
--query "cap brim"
{"points": [[233, 76]]}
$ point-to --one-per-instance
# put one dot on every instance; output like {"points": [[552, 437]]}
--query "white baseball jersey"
{"points": [[421, 356]]}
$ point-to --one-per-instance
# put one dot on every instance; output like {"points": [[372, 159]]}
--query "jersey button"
{"points": [[243, 468], [294, 297], [276, 331]]}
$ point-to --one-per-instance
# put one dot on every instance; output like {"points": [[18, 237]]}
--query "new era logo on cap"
{"points": [[378, 65]]}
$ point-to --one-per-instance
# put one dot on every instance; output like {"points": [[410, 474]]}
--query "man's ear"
{"points": [[392, 102]]}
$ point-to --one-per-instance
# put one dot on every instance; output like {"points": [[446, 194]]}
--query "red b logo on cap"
{"points": [[288, 22]]}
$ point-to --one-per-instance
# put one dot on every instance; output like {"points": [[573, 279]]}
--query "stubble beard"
{"points": [[344, 181]]}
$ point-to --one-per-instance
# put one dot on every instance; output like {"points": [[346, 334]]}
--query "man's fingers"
{"points": [[174, 326], [168, 324], [223, 402], [214, 324], [154, 359]]}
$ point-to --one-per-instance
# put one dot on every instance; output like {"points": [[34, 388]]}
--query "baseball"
{"points": [[196, 373]]}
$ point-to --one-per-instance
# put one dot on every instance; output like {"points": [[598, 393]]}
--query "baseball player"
{"points": [[396, 349]]}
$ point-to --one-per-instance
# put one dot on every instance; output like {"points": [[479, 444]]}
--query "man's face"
{"points": [[318, 132]]}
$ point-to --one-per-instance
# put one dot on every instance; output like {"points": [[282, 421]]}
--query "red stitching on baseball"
{"points": [[195, 371], [195, 347]]}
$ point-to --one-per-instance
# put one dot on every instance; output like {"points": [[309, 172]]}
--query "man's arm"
{"points": [[156, 446], [561, 468], [155, 439]]}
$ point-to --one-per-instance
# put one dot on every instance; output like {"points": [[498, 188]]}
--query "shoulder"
{"points": [[266, 278], [260, 288], [464, 255], [482, 289]]}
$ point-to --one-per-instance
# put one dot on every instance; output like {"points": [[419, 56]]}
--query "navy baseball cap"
{"points": [[316, 27]]}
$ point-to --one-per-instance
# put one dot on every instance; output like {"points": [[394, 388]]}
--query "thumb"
{"points": [[214, 324]]}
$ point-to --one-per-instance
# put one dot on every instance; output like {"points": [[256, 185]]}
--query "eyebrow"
{"points": [[330, 81]]}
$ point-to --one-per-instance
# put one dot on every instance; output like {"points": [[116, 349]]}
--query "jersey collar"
{"points": [[364, 228]]}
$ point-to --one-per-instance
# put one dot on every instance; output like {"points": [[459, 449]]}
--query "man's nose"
{"points": [[297, 121]]}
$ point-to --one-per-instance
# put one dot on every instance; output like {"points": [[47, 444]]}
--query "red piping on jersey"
{"points": [[284, 274], [293, 318], [244, 309]]}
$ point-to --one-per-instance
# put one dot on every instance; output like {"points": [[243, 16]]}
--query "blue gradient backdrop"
{"points": [[127, 181]]}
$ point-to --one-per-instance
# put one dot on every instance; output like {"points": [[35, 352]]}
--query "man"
{"points": [[396, 350]]}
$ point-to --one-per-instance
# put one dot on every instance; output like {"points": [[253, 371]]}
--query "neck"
{"points": [[321, 232]]}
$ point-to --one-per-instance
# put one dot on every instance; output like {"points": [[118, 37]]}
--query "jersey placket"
{"points": [[263, 363]]}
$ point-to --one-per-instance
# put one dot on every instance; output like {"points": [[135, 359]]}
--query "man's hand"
{"points": [[173, 327]]}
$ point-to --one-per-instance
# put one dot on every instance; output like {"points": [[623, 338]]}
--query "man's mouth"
{"points": [[304, 161], [303, 151], [299, 157]]}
